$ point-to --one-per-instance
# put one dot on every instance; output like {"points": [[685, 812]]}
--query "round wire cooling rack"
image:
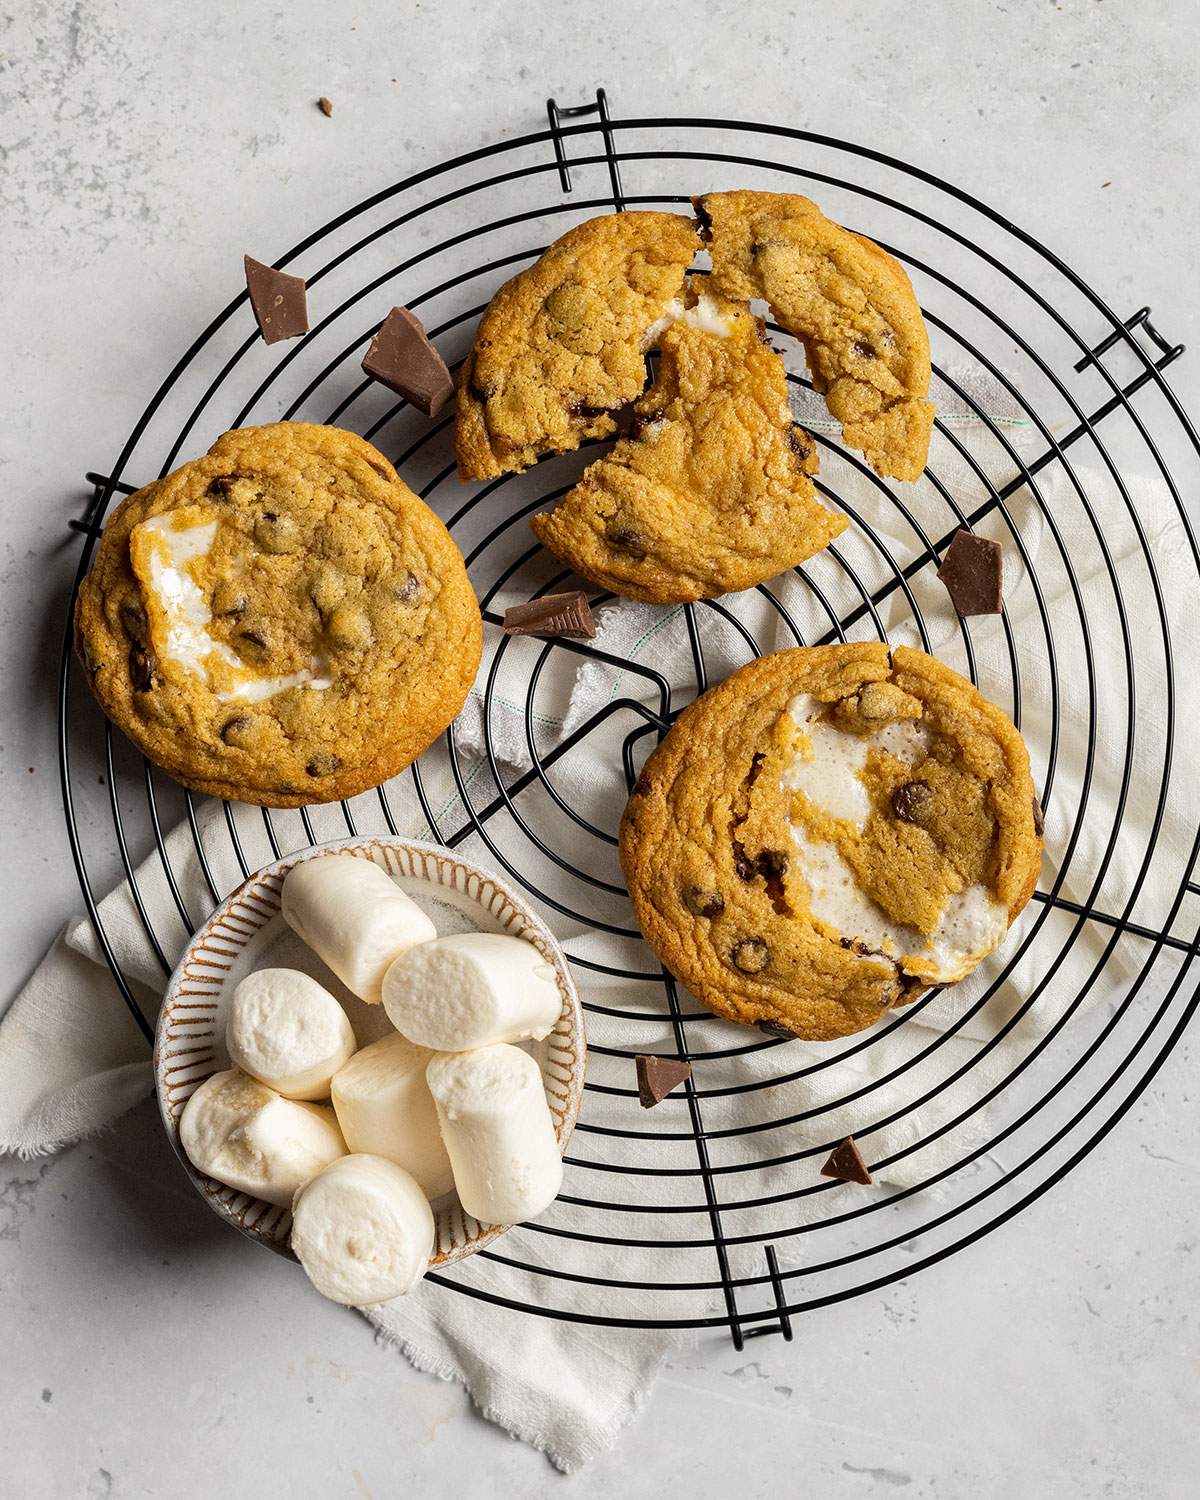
{"points": [[1057, 434]]}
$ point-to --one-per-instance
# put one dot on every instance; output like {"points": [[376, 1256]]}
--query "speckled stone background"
{"points": [[145, 1350]]}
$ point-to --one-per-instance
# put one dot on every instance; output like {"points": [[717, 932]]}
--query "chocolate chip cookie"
{"points": [[850, 303], [827, 833], [281, 622], [560, 348], [710, 490]]}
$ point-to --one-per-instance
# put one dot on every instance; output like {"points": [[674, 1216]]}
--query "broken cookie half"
{"points": [[710, 491], [560, 348], [848, 301]]}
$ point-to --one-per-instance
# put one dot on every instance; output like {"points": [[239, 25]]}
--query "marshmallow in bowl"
{"points": [[247, 1136], [354, 917], [385, 1108], [498, 1131], [363, 1230], [289, 1032], [472, 989]]}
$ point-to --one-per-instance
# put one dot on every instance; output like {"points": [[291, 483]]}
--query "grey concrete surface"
{"points": [[149, 1352]]}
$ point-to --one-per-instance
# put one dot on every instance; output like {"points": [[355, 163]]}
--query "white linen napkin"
{"points": [[567, 1387]]}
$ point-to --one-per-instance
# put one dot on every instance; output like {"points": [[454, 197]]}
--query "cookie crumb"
{"points": [[325, 106]]}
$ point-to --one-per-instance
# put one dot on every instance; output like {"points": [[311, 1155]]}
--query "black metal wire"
{"points": [[1071, 1054]]}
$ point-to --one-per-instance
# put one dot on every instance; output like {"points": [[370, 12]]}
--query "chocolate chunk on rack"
{"points": [[402, 358], [657, 1076], [556, 614], [846, 1163], [280, 301], [973, 573]]}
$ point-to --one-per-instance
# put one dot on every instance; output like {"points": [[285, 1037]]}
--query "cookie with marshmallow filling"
{"points": [[280, 622], [829, 832]]}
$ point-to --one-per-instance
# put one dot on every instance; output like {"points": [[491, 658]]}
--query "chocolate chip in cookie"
{"points": [[911, 801], [627, 539], [750, 955], [777, 1029], [702, 902], [323, 765]]}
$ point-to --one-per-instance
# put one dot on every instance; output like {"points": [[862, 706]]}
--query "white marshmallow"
{"points": [[362, 1230], [470, 990], [242, 1133], [385, 1108], [352, 915], [499, 1132], [289, 1032]]}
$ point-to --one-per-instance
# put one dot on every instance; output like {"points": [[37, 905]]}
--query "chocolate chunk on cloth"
{"points": [[657, 1076], [556, 614], [402, 358], [325, 106], [846, 1163], [280, 301], [973, 573]]}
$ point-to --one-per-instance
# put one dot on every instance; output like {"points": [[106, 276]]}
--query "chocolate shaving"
{"points": [[555, 614], [325, 106], [402, 358], [973, 574], [280, 302], [846, 1163], [1039, 818], [657, 1076]]}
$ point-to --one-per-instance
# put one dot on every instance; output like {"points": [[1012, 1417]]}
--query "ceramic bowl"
{"points": [[247, 932]]}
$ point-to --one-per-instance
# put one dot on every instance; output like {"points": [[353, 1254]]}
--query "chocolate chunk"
{"points": [[402, 358], [583, 412], [973, 573], [325, 106], [776, 1029], [863, 349], [133, 619], [703, 903], [280, 302], [228, 600], [641, 787], [1039, 818], [323, 765], [846, 1163], [628, 540], [910, 802], [141, 673], [234, 729], [555, 614], [407, 591], [254, 640], [750, 955], [221, 487], [657, 1076], [703, 218], [275, 533], [772, 864]]}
